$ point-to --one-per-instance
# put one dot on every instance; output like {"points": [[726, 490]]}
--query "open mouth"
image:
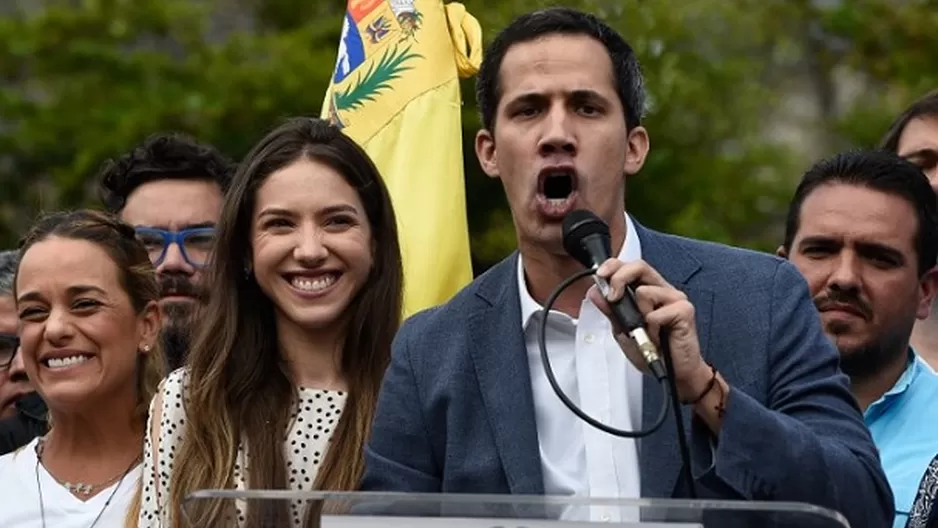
{"points": [[65, 362], [313, 284], [556, 191]]}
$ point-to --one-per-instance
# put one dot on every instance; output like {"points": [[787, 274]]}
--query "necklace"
{"points": [[79, 487]]}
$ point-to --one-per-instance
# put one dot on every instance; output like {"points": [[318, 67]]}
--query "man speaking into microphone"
{"points": [[466, 406]]}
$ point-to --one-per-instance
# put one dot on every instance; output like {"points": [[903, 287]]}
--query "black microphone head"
{"points": [[577, 227]]}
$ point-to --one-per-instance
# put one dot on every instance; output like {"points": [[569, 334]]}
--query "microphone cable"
{"points": [[669, 390]]}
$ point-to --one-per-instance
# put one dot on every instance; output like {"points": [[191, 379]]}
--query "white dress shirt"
{"points": [[576, 458]]}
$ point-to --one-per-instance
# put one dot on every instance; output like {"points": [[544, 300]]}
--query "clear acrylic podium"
{"points": [[389, 510]]}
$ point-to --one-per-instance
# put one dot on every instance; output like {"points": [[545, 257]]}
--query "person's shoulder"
{"points": [[735, 263], [177, 380], [927, 377], [451, 315], [25, 453], [709, 252], [173, 390], [17, 474]]}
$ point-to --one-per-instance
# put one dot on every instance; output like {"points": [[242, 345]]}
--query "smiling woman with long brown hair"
{"points": [[283, 376]]}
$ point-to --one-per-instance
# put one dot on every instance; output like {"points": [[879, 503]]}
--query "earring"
{"points": [[146, 348]]}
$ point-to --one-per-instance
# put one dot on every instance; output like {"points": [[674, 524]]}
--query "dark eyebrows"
{"points": [[927, 154], [880, 250], [588, 96], [531, 98], [340, 208], [275, 211], [73, 291], [197, 225], [332, 209], [821, 241], [576, 97], [920, 152], [865, 248]]}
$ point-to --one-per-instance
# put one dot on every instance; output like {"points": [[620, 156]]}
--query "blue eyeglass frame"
{"points": [[15, 340], [175, 237]]}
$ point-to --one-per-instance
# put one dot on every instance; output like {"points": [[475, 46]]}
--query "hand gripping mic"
{"points": [[586, 238]]}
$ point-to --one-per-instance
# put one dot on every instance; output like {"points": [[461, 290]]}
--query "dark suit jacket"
{"points": [[28, 423], [456, 413]]}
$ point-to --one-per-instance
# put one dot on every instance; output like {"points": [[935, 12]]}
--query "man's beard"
{"points": [[176, 335], [177, 284], [176, 346], [178, 316], [869, 359]]}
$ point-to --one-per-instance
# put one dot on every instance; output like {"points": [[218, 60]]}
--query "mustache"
{"points": [[179, 285], [833, 298]]}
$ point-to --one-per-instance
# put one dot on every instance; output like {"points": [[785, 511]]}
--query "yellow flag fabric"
{"points": [[395, 91]]}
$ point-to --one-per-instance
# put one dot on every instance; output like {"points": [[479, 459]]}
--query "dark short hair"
{"points": [[162, 157], [882, 171], [564, 21], [927, 106], [8, 262]]}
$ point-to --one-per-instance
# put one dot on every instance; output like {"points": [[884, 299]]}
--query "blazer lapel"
{"points": [[501, 365], [658, 453]]}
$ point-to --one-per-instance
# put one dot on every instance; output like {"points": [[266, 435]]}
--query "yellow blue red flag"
{"points": [[395, 91]]}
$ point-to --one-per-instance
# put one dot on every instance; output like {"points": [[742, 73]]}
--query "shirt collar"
{"points": [[913, 368], [631, 250]]}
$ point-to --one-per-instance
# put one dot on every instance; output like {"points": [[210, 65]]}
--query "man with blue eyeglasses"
{"points": [[171, 189]]}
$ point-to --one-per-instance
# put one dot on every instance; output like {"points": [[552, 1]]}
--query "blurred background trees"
{"points": [[744, 95]]}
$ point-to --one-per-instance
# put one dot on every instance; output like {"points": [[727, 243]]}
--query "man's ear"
{"points": [[485, 151], [780, 252], [928, 286], [638, 150]]}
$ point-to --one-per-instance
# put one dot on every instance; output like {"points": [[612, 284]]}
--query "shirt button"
{"points": [[589, 338]]}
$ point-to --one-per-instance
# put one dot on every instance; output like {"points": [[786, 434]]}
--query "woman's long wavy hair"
{"points": [[136, 276], [239, 386]]}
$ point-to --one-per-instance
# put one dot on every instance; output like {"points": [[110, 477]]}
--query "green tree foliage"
{"points": [[894, 48], [80, 83], [84, 81]]}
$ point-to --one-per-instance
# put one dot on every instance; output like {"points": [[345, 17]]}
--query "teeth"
{"points": [[66, 362], [312, 285], [556, 202]]}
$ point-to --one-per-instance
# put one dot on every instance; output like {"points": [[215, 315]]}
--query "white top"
{"points": [[19, 496], [305, 444], [590, 367]]}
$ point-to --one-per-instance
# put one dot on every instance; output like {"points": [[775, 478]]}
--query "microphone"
{"points": [[586, 238]]}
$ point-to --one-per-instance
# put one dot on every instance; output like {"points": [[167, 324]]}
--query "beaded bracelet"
{"points": [[707, 389]]}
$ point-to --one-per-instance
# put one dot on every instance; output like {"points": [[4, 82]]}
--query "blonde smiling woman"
{"points": [[86, 297]]}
